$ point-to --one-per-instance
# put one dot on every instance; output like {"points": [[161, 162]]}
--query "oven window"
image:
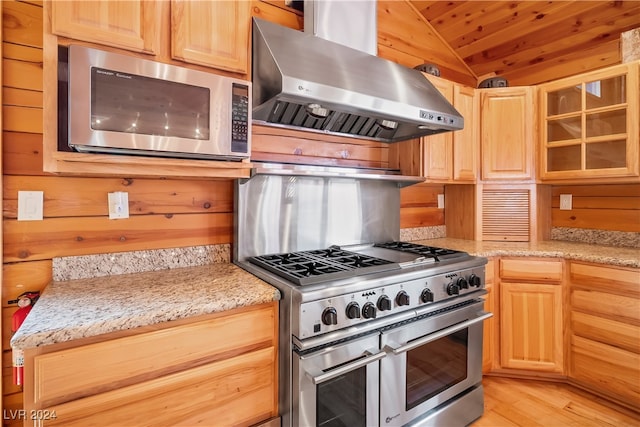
{"points": [[342, 401], [436, 366]]}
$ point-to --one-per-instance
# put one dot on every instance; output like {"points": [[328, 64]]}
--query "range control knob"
{"points": [[462, 283], [369, 311], [330, 316], [475, 281], [384, 303], [353, 310], [403, 298], [453, 289], [426, 296]]}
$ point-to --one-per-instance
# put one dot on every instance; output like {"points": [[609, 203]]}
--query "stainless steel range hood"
{"points": [[306, 82]]}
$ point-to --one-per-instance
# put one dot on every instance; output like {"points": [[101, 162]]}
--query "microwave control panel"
{"points": [[240, 118]]}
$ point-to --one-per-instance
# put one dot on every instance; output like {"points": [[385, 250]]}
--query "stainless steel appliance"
{"points": [[374, 332], [116, 103], [313, 84]]}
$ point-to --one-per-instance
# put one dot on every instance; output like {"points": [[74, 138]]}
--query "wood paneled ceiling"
{"points": [[529, 42]]}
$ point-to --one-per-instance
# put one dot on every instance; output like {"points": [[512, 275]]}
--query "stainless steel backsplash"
{"points": [[277, 214]]}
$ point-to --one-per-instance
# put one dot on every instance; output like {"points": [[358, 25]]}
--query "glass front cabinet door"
{"points": [[590, 126]]}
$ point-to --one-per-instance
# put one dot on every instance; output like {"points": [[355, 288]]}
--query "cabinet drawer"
{"points": [[537, 270], [617, 307], [624, 281], [89, 369], [236, 391], [607, 331], [606, 369]]}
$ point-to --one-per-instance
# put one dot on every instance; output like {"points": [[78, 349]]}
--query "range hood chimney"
{"points": [[304, 81]]}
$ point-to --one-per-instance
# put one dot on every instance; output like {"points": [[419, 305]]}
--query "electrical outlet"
{"points": [[118, 205], [440, 201], [566, 201], [30, 205]]}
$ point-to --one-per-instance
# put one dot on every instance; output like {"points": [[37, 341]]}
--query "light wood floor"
{"points": [[516, 402]]}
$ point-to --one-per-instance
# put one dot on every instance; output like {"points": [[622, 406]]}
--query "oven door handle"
{"points": [[442, 333], [370, 358]]}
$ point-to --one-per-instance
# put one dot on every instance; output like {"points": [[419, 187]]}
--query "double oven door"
{"points": [[431, 365], [338, 386], [409, 374]]}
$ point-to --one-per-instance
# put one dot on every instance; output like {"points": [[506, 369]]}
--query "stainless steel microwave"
{"points": [[114, 103]]}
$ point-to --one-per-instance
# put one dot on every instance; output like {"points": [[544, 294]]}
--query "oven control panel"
{"points": [[330, 314]]}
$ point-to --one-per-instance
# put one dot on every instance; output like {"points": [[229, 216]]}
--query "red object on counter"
{"points": [[25, 303]]}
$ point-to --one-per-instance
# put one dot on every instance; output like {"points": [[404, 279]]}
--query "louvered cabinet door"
{"points": [[506, 213]]}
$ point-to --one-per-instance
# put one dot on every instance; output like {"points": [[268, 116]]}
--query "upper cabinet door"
{"points": [[465, 141], [211, 33], [128, 25], [589, 125], [437, 151], [507, 135]]}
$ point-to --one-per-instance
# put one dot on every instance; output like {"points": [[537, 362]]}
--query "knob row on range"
{"points": [[370, 310], [462, 283]]}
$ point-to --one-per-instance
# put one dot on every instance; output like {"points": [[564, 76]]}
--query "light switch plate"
{"points": [[566, 201], [118, 205], [440, 201], [30, 205]]}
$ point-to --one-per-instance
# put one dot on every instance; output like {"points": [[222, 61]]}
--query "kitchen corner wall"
{"points": [[606, 214], [164, 213]]}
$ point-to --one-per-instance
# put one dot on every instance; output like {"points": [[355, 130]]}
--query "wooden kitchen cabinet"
{"points": [[131, 25], [465, 141], [437, 150], [219, 370], [531, 315], [489, 327], [604, 345], [137, 26], [590, 126], [211, 33], [507, 133], [452, 156]]}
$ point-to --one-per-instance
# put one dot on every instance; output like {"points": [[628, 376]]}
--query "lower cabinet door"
{"points": [[531, 327]]}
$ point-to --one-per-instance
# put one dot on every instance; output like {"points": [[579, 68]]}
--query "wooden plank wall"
{"points": [[164, 213], [600, 207]]}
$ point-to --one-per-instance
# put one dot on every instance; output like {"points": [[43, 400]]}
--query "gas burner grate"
{"points": [[437, 253], [315, 266]]}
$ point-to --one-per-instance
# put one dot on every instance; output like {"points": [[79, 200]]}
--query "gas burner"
{"points": [[285, 259], [330, 252], [321, 265]]}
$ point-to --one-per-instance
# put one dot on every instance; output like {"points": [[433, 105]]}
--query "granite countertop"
{"points": [[86, 307], [81, 308], [615, 256]]}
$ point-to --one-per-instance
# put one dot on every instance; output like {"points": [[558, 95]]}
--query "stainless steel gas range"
{"points": [[373, 331]]}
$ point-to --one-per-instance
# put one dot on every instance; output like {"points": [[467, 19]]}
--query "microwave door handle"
{"points": [[437, 335], [317, 379]]}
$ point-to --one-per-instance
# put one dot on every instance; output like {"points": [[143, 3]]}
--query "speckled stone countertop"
{"points": [[81, 308], [623, 257]]}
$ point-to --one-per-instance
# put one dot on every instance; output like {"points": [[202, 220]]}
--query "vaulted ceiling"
{"points": [[529, 42], [526, 42]]}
